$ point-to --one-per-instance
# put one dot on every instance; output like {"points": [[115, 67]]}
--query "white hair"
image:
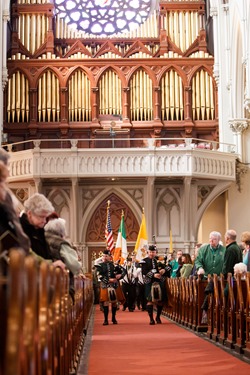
{"points": [[56, 226], [38, 204], [215, 234], [240, 268]]}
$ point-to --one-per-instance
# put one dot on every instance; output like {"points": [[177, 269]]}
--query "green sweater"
{"points": [[186, 270], [210, 259]]}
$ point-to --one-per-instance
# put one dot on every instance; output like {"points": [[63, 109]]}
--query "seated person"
{"points": [[36, 209], [60, 249], [187, 265], [55, 233]]}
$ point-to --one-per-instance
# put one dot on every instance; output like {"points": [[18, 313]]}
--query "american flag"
{"points": [[109, 233]]}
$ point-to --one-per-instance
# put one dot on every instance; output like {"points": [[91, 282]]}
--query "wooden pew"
{"points": [[175, 298], [210, 314], [187, 302], [178, 300], [240, 314], [41, 331], [191, 298], [195, 303], [216, 308], [231, 315], [188, 299], [199, 286], [247, 348], [12, 352], [44, 335], [223, 310], [183, 302], [168, 309], [30, 318], [3, 310]]}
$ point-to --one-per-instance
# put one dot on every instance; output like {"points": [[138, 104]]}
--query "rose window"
{"points": [[104, 17]]}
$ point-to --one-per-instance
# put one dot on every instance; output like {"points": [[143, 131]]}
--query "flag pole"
{"points": [[107, 215], [108, 231], [170, 242]]}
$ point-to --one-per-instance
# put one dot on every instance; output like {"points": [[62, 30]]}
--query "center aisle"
{"points": [[134, 347]]}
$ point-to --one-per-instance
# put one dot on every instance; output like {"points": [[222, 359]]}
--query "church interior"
{"points": [[142, 106]]}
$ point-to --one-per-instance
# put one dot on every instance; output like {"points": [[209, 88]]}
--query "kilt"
{"points": [[104, 297], [148, 294]]}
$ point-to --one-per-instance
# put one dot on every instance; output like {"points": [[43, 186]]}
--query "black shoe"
{"points": [[152, 322], [158, 320], [105, 323], [114, 321]]}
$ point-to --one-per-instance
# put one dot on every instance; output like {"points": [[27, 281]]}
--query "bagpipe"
{"points": [[162, 264]]}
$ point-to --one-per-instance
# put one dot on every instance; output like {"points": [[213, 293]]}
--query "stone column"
{"points": [[187, 211], [214, 14], [75, 211], [149, 209], [238, 126]]}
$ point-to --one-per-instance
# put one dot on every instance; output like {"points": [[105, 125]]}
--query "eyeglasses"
{"points": [[41, 217]]}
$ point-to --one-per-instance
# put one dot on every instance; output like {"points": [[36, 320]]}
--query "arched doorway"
{"points": [[95, 234]]}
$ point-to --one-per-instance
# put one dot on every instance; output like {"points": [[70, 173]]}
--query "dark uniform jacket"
{"points": [[232, 256], [150, 267], [106, 271]]}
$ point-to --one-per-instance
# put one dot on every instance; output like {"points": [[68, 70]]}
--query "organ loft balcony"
{"points": [[114, 156]]}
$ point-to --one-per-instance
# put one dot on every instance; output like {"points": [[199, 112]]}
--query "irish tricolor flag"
{"points": [[121, 251]]}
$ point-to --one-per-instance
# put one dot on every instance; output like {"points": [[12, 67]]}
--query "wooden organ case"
{"points": [[156, 81]]}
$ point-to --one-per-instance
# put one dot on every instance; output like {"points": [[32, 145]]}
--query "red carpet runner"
{"points": [[134, 347]]}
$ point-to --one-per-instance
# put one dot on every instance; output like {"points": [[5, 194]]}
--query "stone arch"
{"points": [[95, 233], [96, 225]]}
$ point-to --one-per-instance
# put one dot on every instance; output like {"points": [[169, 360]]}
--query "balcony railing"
{"points": [[168, 157]]}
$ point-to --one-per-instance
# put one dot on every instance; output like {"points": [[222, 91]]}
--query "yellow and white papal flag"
{"points": [[142, 240]]}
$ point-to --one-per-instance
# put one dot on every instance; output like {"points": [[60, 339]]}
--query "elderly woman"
{"points": [[55, 233], [36, 210], [60, 249]]}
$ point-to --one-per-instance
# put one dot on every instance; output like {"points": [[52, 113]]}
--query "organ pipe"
{"points": [[110, 94], [18, 98], [48, 88], [141, 96], [79, 97], [202, 96], [172, 104]]}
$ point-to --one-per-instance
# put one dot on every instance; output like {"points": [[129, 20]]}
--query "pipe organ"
{"points": [[157, 78]]}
